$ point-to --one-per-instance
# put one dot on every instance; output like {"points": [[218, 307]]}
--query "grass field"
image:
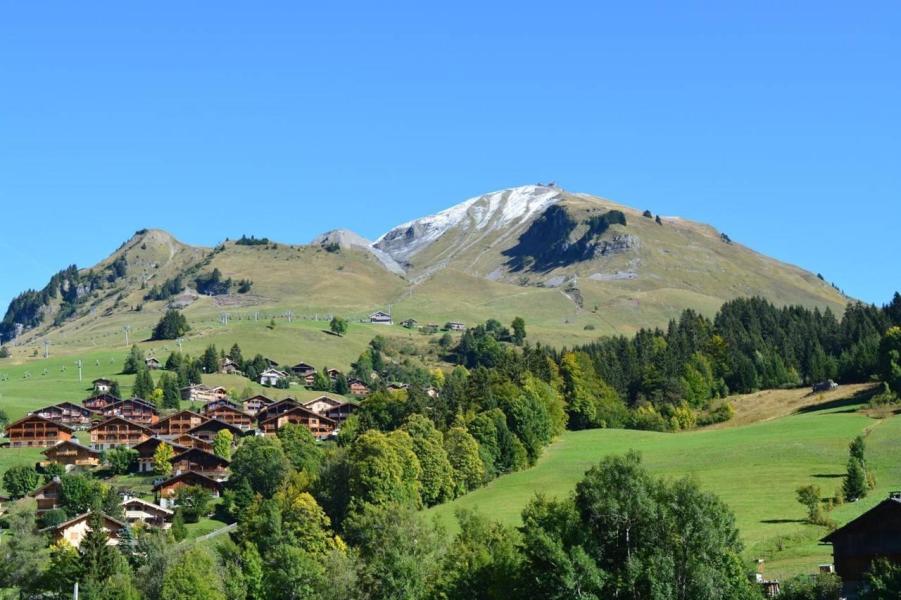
{"points": [[754, 468]]}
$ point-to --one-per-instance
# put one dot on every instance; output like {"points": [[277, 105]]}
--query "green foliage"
{"points": [[162, 457], [890, 359], [518, 326], [121, 460], [384, 470], [171, 392], [855, 484], [463, 455], [98, 559], [20, 480], [79, 493], [338, 326], [301, 448], [23, 552], [134, 362], [260, 464], [179, 530], [193, 502], [143, 386], [825, 586], [4, 352], [436, 477], [193, 577], [222, 444], [173, 325]]}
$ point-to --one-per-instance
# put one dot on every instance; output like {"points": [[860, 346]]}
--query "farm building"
{"points": [[153, 363], [117, 431], [874, 534], [71, 453], [380, 318], [33, 430]]}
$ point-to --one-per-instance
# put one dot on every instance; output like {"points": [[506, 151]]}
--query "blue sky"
{"points": [[776, 122]]}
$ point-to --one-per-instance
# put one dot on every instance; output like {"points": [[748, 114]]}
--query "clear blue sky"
{"points": [[776, 122]]}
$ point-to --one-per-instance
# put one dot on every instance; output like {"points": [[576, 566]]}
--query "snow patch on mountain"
{"points": [[490, 212], [346, 239]]}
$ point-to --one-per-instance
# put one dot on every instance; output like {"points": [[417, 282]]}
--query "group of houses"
{"points": [[112, 422], [383, 318], [306, 373]]}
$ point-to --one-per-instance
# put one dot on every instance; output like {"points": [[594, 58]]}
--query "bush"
{"points": [[172, 326], [53, 517]]}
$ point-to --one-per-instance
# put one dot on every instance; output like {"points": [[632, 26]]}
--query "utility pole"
{"points": [[46, 348], [78, 363], [126, 329], [178, 341]]}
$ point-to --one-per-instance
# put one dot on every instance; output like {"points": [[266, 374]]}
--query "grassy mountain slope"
{"points": [[574, 266]]}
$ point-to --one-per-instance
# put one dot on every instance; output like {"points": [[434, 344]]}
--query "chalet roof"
{"points": [[302, 366], [55, 482], [108, 397], [40, 418], [71, 442], [295, 410], [102, 380], [82, 517], [272, 371], [216, 425], [156, 441], [123, 420], [217, 403], [152, 359], [229, 407], [379, 314], [136, 400], [197, 453], [65, 403], [144, 503], [196, 386], [276, 405], [261, 398], [191, 476], [354, 380], [327, 399], [176, 414], [892, 503]]}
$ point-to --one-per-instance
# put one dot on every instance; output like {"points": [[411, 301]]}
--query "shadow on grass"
{"points": [[828, 475], [851, 404], [782, 521]]}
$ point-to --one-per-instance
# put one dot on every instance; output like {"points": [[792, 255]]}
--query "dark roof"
{"points": [[158, 440], [29, 417], [102, 380], [200, 454], [216, 425], [893, 503], [81, 517], [136, 400], [118, 418], [71, 442], [297, 409], [191, 475], [175, 414]]}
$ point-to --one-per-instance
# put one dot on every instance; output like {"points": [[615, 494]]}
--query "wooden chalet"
{"points": [[33, 430], [117, 431], [303, 369], [153, 363], [272, 364], [272, 377], [47, 496], [100, 401], [321, 404], [339, 413], [146, 513], [276, 408], [147, 450], [380, 318], [165, 490], [216, 404], [320, 426], [75, 530], [178, 423], [358, 388], [201, 461], [207, 430], [874, 534], [186, 440], [332, 374], [67, 413], [134, 410], [102, 386], [254, 404], [230, 367], [231, 415], [71, 453], [203, 393]]}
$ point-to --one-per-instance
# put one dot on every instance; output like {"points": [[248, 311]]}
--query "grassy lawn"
{"points": [[755, 469]]}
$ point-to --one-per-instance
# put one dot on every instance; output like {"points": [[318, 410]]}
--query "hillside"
{"points": [[573, 265]]}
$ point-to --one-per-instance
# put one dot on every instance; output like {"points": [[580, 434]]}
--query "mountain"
{"points": [[573, 265]]}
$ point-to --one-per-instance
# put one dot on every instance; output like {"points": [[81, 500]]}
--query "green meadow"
{"points": [[754, 468]]}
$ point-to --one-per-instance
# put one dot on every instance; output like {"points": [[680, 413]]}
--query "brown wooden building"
{"points": [[195, 459], [321, 404], [100, 401], [165, 490], [146, 513], [303, 369], [67, 413], [47, 496], [134, 410], [320, 426], [192, 441], [207, 430], [178, 423], [254, 404], [74, 530], [276, 408], [874, 534], [147, 450], [339, 413], [358, 388], [72, 453], [233, 416], [214, 404], [33, 430], [117, 431]]}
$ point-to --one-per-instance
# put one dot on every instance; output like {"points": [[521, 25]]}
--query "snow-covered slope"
{"points": [[477, 216], [347, 239]]}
